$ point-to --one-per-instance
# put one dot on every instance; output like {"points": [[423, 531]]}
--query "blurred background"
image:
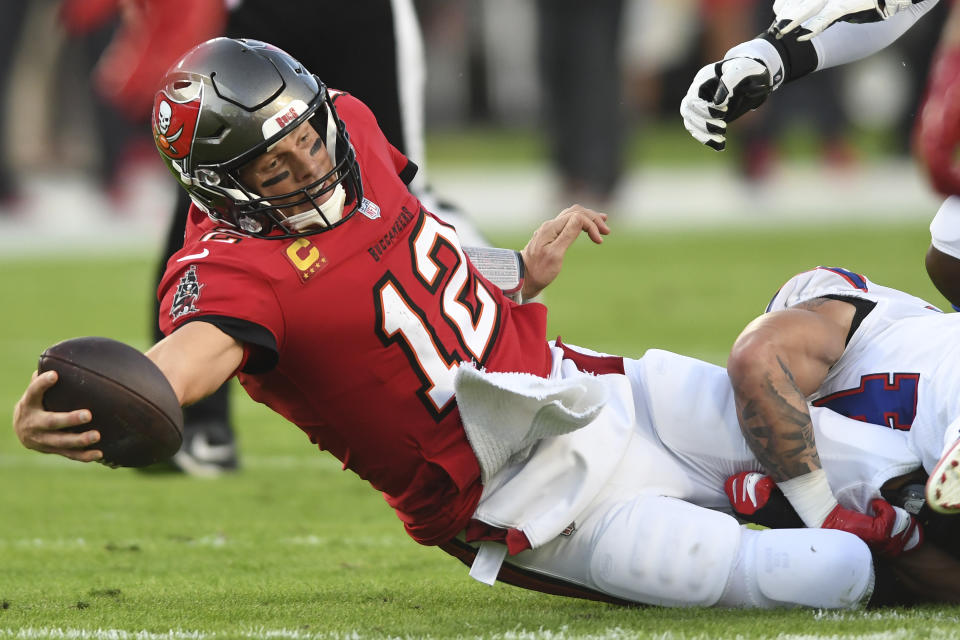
{"points": [[520, 122]]}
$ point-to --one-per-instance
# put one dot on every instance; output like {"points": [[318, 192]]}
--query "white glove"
{"points": [[817, 15], [720, 93]]}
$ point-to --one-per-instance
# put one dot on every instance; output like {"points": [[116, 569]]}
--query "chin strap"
{"points": [[332, 211]]}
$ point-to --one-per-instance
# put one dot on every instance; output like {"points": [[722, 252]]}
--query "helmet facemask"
{"points": [[276, 215]]}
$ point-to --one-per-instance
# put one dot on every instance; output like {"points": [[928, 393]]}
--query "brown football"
{"points": [[133, 405]]}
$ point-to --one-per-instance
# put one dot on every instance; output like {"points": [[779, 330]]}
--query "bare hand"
{"points": [[42, 430], [543, 255]]}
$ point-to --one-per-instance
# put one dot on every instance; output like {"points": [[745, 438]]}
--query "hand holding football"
{"points": [[133, 405]]}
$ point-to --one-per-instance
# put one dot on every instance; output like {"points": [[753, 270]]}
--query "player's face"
{"points": [[294, 162]]}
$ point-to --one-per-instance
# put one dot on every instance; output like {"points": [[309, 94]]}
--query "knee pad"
{"points": [[820, 568], [664, 551]]}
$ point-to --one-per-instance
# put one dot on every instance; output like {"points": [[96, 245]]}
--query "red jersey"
{"points": [[359, 333]]}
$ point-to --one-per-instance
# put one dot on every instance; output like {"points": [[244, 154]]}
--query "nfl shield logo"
{"points": [[370, 209]]}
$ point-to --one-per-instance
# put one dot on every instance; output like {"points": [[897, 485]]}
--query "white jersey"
{"points": [[901, 367]]}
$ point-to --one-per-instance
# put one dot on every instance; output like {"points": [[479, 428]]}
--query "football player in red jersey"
{"points": [[387, 73], [311, 273]]}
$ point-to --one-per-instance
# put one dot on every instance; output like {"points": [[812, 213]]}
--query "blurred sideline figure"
{"points": [[13, 13], [937, 132], [113, 43], [581, 76], [387, 72]]}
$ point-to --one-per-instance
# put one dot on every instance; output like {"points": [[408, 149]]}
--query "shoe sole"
{"points": [[943, 485]]}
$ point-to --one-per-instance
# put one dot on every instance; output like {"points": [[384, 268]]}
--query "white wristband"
{"points": [[760, 49], [502, 267], [811, 496]]}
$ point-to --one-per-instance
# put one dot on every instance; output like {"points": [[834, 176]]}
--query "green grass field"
{"points": [[292, 547]]}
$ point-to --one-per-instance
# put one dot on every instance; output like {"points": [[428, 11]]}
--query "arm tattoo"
{"points": [[777, 426]]}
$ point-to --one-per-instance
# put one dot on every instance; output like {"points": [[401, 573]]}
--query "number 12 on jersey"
{"points": [[467, 307]]}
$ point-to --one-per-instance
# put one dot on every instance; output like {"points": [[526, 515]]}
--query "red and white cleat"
{"points": [[943, 485]]}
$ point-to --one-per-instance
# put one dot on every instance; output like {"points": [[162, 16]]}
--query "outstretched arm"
{"points": [[724, 90], [196, 359], [817, 15]]}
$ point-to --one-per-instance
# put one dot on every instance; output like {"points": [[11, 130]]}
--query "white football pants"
{"points": [[655, 532]]}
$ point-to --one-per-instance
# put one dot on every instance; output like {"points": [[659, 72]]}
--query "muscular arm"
{"points": [[778, 360]]}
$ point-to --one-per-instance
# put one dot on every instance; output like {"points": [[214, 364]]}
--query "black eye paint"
{"points": [[280, 177], [316, 147]]}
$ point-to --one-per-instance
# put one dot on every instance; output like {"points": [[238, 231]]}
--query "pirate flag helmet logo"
{"points": [[174, 125]]}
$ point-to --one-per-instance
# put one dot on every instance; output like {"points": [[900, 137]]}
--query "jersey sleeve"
{"points": [[835, 282], [821, 282], [406, 168], [241, 304]]}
